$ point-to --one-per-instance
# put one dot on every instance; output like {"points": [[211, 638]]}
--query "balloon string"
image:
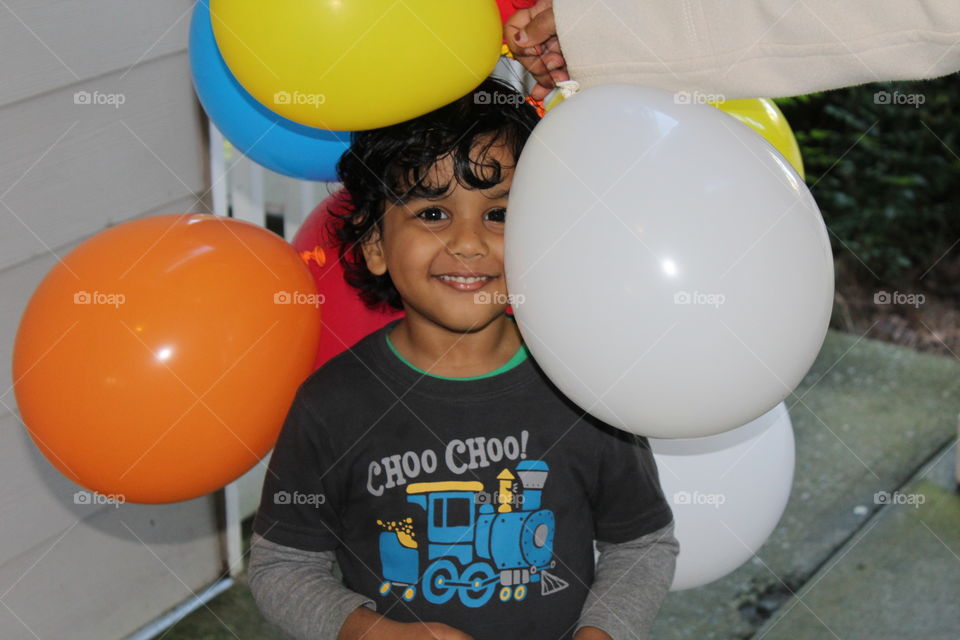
{"points": [[316, 255], [563, 89]]}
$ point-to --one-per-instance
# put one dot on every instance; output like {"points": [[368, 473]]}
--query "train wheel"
{"points": [[520, 592], [436, 581], [385, 588], [480, 585], [505, 593], [409, 593]]}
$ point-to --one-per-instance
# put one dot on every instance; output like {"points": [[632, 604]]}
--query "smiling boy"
{"points": [[439, 254], [456, 488]]}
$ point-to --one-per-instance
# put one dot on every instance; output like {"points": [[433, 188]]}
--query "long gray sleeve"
{"points": [[298, 591], [630, 584]]}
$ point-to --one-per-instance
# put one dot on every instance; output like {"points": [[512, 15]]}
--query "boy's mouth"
{"points": [[462, 282]]}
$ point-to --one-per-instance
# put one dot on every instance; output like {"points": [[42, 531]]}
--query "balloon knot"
{"points": [[538, 104], [316, 255], [568, 87]]}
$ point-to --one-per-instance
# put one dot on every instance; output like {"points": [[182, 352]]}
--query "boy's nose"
{"points": [[467, 241]]}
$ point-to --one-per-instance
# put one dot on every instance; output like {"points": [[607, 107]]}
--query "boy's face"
{"points": [[425, 242]]}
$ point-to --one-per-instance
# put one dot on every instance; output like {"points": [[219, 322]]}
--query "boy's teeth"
{"points": [[463, 279]]}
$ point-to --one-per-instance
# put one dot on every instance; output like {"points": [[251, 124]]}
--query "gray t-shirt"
{"points": [[469, 502]]}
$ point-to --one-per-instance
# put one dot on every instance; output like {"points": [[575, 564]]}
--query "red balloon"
{"points": [[345, 318], [510, 7]]}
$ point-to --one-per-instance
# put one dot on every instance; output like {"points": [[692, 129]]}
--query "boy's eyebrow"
{"points": [[406, 198]]}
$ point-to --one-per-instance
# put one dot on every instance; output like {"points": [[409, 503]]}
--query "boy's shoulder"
{"points": [[347, 370]]}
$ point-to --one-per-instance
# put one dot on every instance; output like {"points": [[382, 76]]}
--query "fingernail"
{"points": [[520, 37], [553, 64]]}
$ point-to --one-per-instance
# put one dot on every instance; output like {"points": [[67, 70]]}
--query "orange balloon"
{"points": [[157, 361]]}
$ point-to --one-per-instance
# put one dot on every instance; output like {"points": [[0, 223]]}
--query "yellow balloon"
{"points": [[346, 65], [760, 114], [763, 116]]}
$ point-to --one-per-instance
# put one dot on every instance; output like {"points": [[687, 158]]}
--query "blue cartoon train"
{"points": [[474, 546]]}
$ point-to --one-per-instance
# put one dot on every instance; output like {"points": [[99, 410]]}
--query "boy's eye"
{"points": [[432, 214], [497, 215]]}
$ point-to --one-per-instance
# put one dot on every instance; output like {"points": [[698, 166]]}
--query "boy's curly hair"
{"points": [[390, 165]]}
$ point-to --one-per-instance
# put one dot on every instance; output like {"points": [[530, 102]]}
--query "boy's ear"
{"points": [[373, 252]]}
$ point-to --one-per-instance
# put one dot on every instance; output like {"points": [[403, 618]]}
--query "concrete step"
{"points": [[866, 417], [897, 577]]}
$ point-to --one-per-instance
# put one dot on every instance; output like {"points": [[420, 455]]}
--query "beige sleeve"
{"points": [[764, 48]]}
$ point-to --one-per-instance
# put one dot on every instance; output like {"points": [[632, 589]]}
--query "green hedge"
{"points": [[882, 161]]}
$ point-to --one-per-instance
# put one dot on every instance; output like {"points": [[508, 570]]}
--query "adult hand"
{"points": [[430, 631], [364, 624], [591, 633], [531, 35]]}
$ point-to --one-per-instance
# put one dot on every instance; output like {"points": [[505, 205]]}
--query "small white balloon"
{"points": [[727, 493], [669, 270]]}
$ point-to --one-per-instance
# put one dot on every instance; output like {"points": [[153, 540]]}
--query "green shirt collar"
{"points": [[518, 357]]}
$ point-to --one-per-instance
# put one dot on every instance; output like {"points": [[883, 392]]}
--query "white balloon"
{"points": [[668, 269], [727, 493]]}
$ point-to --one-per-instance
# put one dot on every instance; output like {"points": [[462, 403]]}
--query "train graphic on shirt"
{"points": [[476, 544]]}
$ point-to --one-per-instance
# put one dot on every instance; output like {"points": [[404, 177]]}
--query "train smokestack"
{"points": [[533, 475]]}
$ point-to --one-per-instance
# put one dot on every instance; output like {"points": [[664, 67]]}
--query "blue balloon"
{"points": [[279, 144]]}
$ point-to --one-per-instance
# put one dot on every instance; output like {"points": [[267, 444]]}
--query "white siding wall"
{"points": [[67, 171]]}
